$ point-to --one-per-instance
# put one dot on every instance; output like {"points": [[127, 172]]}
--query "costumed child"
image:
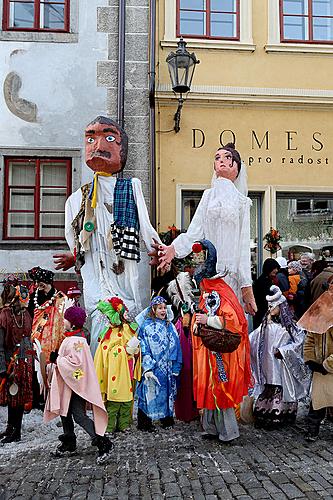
{"points": [[281, 377], [117, 363], [74, 384], [161, 364], [318, 356], [16, 358], [221, 351], [180, 292]]}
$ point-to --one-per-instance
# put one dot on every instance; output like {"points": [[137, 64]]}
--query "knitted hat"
{"points": [[76, 316], [276, 299], [328, 364], [296, 265], [44, 275]]}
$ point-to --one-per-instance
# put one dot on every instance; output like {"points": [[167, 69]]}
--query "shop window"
{"points": [[306, 21], [190, 201], [36, 15], [304, 221], [310, 209], [208, 19], [35, 193]]}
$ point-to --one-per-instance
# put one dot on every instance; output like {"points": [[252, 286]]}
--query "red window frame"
{"points": [[36, 27], [310, 17], [36, 188], [208, 11]]}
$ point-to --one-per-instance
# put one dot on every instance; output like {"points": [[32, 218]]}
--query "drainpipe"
{"points": [[152, 128], [121, 62]]}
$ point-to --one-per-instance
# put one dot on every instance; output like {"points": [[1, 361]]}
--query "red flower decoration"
{"points": [[119, 334], [113, 378], [105, 347], [197, 248], [115, 302], [119, 350]]}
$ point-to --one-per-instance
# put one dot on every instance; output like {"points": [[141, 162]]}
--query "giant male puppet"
{"points": [[103, 223]]}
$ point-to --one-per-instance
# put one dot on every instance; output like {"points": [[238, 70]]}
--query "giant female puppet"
{"points": [[222, 217], [104, 220]]}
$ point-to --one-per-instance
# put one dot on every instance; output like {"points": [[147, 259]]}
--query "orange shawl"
{"points": [[209, 391], [48, 326]]}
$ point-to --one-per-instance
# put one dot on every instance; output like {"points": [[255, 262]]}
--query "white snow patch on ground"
{"points": [[35, 434]]}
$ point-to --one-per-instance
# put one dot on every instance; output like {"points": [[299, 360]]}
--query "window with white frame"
{"points": [[35, 193], [306, 21], [208, 18], [225, 24], [36, 15]]}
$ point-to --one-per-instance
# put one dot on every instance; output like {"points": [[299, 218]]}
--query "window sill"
{"points": [[299, 48], [38, 36], [29, 244], [211, 44]]}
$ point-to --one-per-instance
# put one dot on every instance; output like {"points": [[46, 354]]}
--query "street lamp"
{"points": [[181, 66]]}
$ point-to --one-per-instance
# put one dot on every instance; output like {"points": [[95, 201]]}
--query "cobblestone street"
{"points": [[175, 464]]}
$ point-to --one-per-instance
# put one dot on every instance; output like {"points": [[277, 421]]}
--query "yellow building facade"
{"points": [[264, 88]]}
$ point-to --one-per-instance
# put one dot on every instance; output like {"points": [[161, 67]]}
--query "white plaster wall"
{"points": [[20, 261], [60, 78]]}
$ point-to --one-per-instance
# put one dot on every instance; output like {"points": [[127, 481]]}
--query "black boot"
{"points": [[7, 432], [104, 446], [145, 423], [16, 415], [167, 422], [67, 446], [14, 436]]}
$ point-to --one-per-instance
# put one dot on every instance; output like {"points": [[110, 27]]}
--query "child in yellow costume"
{"points": [[117, 363]]}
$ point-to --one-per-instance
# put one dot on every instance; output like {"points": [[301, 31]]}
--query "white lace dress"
{"points": [[223, 217]]}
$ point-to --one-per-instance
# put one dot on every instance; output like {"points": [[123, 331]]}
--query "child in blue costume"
{"points": [[161, 364]]}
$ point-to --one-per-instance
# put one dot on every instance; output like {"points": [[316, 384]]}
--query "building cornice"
{"points": [[211, 95], [211, 44]]}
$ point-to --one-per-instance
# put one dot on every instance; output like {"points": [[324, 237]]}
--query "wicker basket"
{"points": [[223, 341]]}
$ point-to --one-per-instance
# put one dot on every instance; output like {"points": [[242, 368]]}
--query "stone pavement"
{"points": [[176, 464]]}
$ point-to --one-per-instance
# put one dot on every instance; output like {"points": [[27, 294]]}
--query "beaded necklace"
{"points": [[14, 318], [46, 304]]}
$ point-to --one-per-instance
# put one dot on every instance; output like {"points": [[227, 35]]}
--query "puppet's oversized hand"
{"points": [[153, 254], [250, 305], [165, 256], [63, 261]]}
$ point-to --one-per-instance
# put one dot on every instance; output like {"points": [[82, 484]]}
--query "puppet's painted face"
{"points": [[103, 147], [224, 165]]}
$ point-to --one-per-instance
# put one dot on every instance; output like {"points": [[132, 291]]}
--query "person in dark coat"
{"points": [[261, 288]]}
